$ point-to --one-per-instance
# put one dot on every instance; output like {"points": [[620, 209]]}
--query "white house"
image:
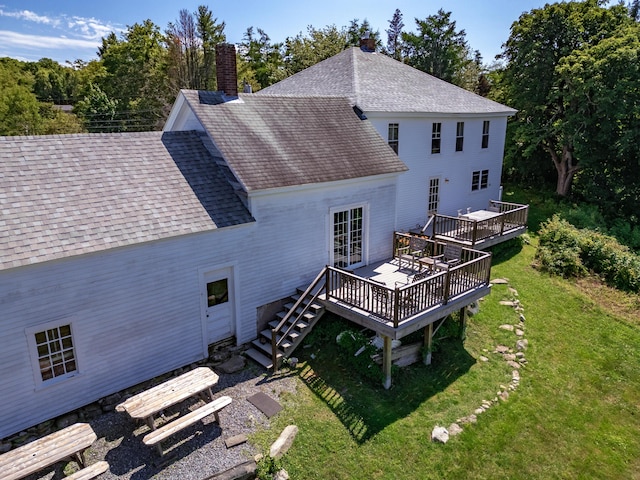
{"points": [[451, 139], [123, 256]]}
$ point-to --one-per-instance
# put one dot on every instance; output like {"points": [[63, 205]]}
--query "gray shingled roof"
{"points": [[273, 141], [377, 83], [66, 195]]}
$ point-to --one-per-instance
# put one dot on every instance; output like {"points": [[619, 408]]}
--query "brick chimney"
{"points": [[367, 44], [226, 72]]}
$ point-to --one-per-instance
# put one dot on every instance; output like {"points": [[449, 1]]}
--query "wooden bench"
{"points": [[89, 472], [161, 433], [66, 444]]}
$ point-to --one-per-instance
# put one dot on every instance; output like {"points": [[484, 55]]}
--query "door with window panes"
{"points": [[434, 196], [348, 238], [217, 304]]}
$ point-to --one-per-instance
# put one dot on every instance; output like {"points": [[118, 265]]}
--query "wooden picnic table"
{"points": [[175, 390], [68, 443]]}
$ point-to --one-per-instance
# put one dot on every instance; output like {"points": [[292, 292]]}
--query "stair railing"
{"points": [[275, 343]]}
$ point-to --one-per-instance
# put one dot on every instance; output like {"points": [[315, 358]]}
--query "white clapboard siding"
{"points": [[454, 169], [136, 311]]}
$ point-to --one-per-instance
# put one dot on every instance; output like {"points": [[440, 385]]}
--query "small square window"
{"points": [[217, 292], [55, 352]]}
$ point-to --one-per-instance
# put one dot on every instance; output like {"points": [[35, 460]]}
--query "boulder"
{"points": [[284, 442], [234, 364], [454, 429], [440, 434]]}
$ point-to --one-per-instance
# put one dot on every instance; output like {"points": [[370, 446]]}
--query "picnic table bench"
{"points": [[145, 405], [69, 443]]}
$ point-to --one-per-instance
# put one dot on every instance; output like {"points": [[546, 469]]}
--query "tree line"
{"points": [[571, 69], [137, 75]]}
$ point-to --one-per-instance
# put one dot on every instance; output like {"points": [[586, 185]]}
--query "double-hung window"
{"points": [[485, 134], [480, 180], [393, 136], [436, 136], [53, 352], [459, 136]]}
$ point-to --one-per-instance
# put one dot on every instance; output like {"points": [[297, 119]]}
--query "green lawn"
{"points": [[575, 414]]}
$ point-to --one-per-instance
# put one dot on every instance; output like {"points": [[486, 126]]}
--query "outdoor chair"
{"points": [[380, 297], [450, 257], [414, 251], [494, 208]]}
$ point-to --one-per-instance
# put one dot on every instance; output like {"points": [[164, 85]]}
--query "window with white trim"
{"points": [[485, 134], [459, 136], [393, 137], [436, 136], [53, 351], [480, 180]]}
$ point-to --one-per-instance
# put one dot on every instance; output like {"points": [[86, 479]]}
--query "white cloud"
{"points": [[91, 28], [30, 16], [20, 40], [87, 28]]}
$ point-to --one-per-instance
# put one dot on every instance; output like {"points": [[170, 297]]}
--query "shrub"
{"points": [[558, 251], [354, 341], [567, 251]]}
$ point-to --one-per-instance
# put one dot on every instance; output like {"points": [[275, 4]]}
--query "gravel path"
{"points": [[194, 453]]}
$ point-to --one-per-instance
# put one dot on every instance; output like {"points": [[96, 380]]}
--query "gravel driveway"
{"points": [[196, 452]]}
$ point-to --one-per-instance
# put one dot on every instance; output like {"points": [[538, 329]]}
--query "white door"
{"points": [[218, 304], [348, 238], [434, 196]]}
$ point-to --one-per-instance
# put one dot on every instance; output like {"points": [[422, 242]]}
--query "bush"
{"points": [[354, 341], [559, 251], [570, 252]]}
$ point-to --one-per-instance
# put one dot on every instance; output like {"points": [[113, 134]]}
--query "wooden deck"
{"points": [[411, 291], [504, 222], [385, 298]]}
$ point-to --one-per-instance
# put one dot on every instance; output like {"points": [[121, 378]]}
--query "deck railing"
{"points": [[512, 216], [404, 301]]}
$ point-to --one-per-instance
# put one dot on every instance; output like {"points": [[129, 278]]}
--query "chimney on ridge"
{"points": [[367, 44], [226, 73]]}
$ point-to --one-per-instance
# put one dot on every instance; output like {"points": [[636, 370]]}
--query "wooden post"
{"points": [[428, 338], [463, 323], [386, 362]]}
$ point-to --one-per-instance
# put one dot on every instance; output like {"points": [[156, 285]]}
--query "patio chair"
{"points": [[450, 257], [381, 297], [348, 285], [413, 252], [494, 208]]}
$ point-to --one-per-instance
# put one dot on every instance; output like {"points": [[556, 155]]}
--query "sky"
{"points": [[68, 30]]}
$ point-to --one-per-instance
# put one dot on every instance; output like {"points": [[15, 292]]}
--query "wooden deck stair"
{"points": [[304, 322]]}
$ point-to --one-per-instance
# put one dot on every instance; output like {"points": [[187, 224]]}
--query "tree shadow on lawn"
{"points": [[362, 405]]}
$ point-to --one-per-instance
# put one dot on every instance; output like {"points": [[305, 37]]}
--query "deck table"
{"points": [[145, 405], [481, 215], [68, 443]]}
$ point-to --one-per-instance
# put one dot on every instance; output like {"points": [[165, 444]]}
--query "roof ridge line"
{"points": [[354, 76]]}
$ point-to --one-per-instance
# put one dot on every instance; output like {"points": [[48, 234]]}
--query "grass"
{"points": [[575, 415]]}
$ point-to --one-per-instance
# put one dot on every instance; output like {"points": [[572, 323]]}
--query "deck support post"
{"points": [[463, 323], [428, 339], [386, 362]]}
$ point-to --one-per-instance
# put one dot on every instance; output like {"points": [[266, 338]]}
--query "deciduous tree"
{"points": [[538, 43]]}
